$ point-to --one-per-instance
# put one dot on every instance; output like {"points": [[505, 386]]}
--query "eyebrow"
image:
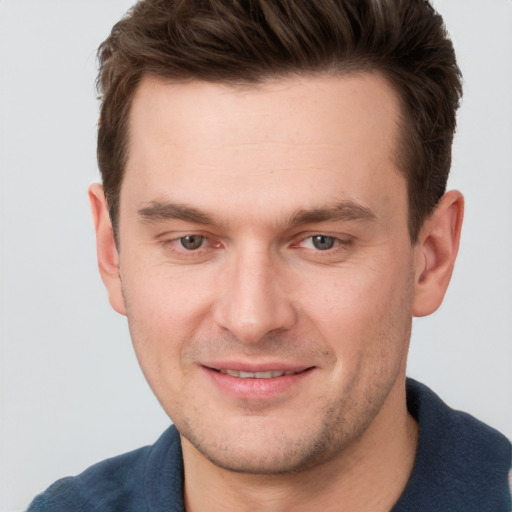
{"points": [[157, 211], [344, 211], [347, 210]]}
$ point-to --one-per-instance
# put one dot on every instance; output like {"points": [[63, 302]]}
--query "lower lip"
{"points": [[256, 389]]}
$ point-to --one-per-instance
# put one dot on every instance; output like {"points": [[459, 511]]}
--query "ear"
{"points": [[108, 256], [435, 253]]}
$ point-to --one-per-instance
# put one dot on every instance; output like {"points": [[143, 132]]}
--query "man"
{"points": [[273, 214]]}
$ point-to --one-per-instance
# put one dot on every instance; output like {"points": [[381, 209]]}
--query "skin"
{"points": [[254, 174]]}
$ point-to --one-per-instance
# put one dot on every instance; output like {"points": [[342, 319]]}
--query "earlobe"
{"points": [[435, 253], [107, 253]]}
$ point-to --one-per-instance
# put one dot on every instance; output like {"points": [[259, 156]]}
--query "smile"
{"points": [[257, 384], [257, 375]]}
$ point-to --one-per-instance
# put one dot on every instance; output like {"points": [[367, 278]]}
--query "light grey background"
{"points": [[70, 388]]}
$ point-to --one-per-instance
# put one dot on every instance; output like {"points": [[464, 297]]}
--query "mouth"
{"points": [[271, 374], [258, 382]]}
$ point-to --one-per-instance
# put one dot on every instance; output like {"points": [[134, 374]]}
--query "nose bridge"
{"points": [[252, 302]]}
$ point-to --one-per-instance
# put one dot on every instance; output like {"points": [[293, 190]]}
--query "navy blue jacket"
{"points": [[461, 466]]}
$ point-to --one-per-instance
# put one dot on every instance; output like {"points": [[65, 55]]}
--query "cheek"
{"points": [[363, 312], [163, 312], [161, 296]]}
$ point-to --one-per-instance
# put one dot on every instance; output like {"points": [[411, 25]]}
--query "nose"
{"points": [[253, 301]]}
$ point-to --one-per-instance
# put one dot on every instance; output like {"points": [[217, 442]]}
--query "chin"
{"points": [[267, 460], [268, 449]]}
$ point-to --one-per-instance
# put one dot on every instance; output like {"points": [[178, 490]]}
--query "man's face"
{"points": [[266, 266]]}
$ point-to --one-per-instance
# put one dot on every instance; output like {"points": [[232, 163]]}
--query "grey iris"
{"points": [[191, 242], [323, 242]]}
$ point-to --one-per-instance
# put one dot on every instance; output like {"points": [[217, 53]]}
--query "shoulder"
{"points": [[118, 484], [447, 432], [461, 463]]}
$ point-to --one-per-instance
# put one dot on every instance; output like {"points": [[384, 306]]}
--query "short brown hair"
{"points": [[248, 41]]}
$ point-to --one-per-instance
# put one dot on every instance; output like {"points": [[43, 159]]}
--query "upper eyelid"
{"points": [[176, 239], [208, 242], [342, 237], [338, 241], [177, 234]]}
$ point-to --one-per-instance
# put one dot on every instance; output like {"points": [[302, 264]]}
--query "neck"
{"points": [[371, 474]]}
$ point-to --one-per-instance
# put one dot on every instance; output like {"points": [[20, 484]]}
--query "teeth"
{"points": [[256, 375]]}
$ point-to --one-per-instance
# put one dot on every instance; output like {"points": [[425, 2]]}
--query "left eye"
{"points": [[320, 242], [191, 242]]}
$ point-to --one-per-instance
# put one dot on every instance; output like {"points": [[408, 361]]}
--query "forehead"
{"points": [[296, 142]]}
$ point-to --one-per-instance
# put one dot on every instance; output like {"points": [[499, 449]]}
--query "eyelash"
{"points": [[175, 245], [336, 242]]}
